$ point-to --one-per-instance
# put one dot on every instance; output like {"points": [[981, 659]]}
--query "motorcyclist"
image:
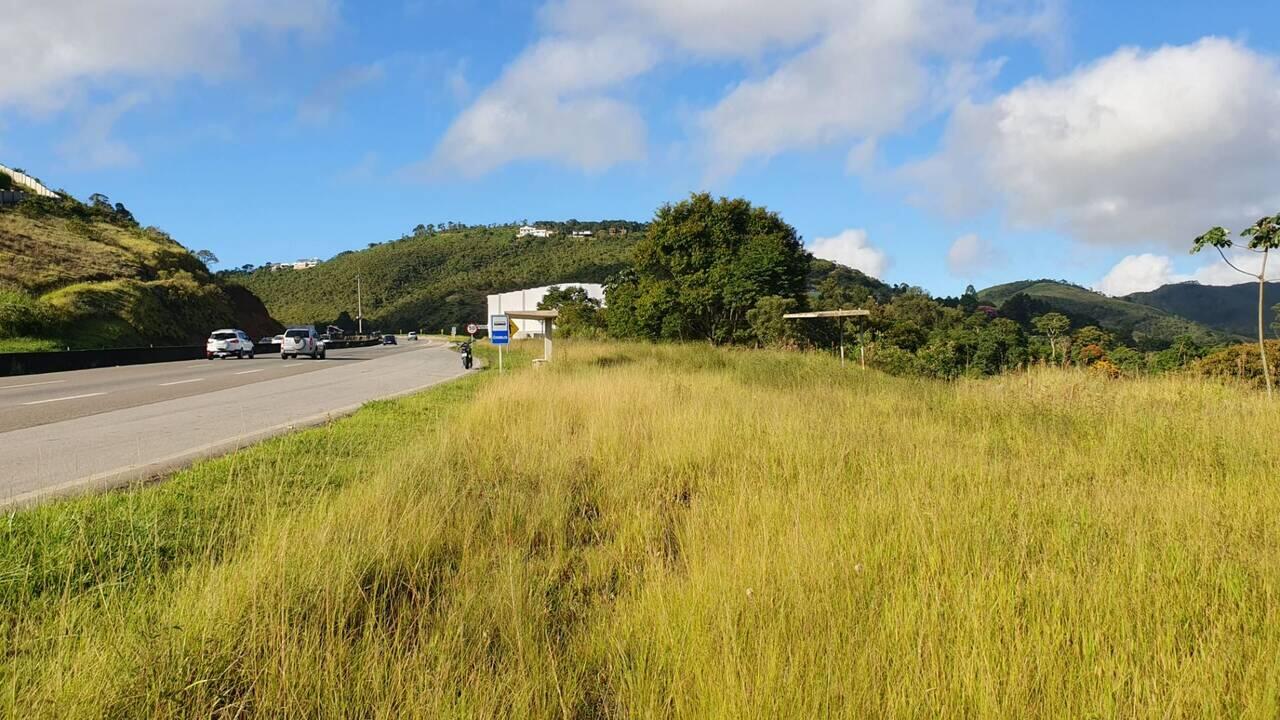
{"points": [[465, 349]]}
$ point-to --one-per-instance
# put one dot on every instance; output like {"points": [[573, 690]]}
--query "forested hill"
{"points": [[89, 276], [1233, 308], [1133, 323], [433, 279]]}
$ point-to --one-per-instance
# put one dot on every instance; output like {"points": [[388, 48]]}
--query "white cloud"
{"points": [[551, 104], [1141, 273], [971, 255], [56, 51], [93, 146], [1139, 147], [326, 101], [838, 72], [852, 248]]}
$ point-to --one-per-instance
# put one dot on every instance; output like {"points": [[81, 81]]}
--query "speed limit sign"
{"points": [[472, 328]]}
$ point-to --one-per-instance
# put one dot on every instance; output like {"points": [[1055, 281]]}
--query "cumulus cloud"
{"points": [[1148, 271], [852, 248], [1139, 147], [837, 72], [58, 50], [971, 255], [551, 104]]}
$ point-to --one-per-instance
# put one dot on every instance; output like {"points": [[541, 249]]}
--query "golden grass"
{"points": [[658, 531]]}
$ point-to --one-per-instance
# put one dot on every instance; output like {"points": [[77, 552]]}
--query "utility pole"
{"points": [[359, 308]]}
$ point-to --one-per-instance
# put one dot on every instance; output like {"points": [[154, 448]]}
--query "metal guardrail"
{"points": [[31, 363]]}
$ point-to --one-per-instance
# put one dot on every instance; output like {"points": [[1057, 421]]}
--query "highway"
{"points": [[89, 429]]}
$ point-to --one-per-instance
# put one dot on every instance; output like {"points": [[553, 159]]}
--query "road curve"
{"points": [[108, 429]]}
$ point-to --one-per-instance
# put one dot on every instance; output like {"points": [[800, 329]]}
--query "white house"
{"points": [[306, 263], [581, 233], [528, 300], [531, 231]]}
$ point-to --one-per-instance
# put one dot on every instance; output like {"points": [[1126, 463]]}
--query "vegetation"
{"points": [[826, 543], [1135, 324], [580, 314], [1228, 308], [88, 276], [431, 280], [1263, 236]]}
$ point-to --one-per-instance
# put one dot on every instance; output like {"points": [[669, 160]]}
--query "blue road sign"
{"points": [[498, 330]]}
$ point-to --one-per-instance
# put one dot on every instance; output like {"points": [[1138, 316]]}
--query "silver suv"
{"points": [[301, 341], [225, 343]]}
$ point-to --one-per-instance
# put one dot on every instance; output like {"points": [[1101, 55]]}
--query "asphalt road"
{"points": [[64, 432]]}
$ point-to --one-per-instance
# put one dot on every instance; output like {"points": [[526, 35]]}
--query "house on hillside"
{"points": [[305, 264], [582, 233], [531, 231], [518, 300]]}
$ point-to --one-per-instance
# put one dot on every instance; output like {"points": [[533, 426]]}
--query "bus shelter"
{"points": [[840, 316]]}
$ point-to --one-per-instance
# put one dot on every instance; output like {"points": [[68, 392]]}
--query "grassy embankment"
{"points": [[679, 531]]}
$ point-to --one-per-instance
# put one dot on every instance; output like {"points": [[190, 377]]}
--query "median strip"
{"points": [[69, 397], [181, 382]]}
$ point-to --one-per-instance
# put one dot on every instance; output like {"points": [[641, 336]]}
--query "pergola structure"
{"points": [[835, 314], [547, 318]]}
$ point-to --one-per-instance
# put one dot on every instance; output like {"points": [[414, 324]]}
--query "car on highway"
{"points": [[412, 336], [303, 340], [270, 340], [228, 342], [388, 339]]}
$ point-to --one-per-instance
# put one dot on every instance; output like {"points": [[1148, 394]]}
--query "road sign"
{"points": [[498, 330], [472, 328], [514, 327], [453, 330]]}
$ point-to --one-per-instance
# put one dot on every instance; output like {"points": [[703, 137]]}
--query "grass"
{"points": [[658, 531]]}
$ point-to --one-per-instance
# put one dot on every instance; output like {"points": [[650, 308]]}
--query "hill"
{"points": [[435, 279], [1133, 323], [81, 276], [1230, 308]]}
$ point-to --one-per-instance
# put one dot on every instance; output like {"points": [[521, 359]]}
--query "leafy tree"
{"points": [[100, 201], [579, 313], [1053, 326], [969, 300], [703, 264], [207, 257], [768, 323], [1264, 236]]}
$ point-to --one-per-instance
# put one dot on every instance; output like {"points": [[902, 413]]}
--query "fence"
{"points": [[28, 183]]}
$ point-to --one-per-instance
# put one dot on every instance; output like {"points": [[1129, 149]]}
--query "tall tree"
{"points": [[207, 257], [1053, 326], [1264, 236], [702, 265]]}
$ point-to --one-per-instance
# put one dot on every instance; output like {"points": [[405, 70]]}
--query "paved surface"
{"points": [[63, 432]]}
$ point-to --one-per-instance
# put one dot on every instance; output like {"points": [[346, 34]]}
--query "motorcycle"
{"points": [[466, 355]]}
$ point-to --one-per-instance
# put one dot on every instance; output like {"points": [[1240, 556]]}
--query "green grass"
{"points": [[658, 531]]}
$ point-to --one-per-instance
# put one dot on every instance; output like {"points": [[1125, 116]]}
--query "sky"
{"points": [[938, 143]]}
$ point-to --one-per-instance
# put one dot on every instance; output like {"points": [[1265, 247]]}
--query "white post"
{"points": [[499, 359]]}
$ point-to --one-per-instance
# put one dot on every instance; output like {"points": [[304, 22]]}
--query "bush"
{"points": [[1239, 362]]}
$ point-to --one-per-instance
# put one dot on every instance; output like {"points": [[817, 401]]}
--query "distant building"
{"points": [[531, 231], [517, 300], [26, 183], [582, 233], [304, 264]]}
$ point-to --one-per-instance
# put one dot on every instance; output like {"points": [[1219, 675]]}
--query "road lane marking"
{"points": [[181, 382], [69, 397], [250, 372], [46, 382]]}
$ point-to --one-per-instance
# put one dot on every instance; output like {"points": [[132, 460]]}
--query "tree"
{"points": [[124, 213], [1264, 236], [579, 312], [1053, 326], [207, 257], [768, 323], [702, 265], [99, 200]]}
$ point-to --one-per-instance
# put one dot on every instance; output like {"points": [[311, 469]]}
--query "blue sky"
{"points": [[933, 142]]}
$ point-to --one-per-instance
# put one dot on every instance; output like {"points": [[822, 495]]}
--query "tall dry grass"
{"points": [[659, 531]]}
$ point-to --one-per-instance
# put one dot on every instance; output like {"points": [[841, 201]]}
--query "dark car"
{"points": [[388, 339]]}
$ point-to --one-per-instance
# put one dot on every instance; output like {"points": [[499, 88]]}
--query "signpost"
{"points": [[498, 334], [472, 328]]}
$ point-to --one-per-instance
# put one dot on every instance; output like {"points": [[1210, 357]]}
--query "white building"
{"points": [[531, 231], [582, 233], [306, 263], [26, 183], [517, 300]]}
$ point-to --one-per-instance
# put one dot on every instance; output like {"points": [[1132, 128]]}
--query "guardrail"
{"points": [[31, 363]]}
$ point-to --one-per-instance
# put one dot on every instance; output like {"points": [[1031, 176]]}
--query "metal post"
{"points": [[499, 359], [359, 307], [841, 321]]}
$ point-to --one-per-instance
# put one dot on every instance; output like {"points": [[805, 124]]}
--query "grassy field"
{"points": [[665, 531]]}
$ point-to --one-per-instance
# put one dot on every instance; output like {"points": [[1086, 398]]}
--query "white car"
{"points": [[225, 343], [301, 341], [412, 336]]}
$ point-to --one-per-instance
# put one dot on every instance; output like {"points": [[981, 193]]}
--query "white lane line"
{"points": [[181, 382], [69, 397], [46, 382], [250, 372]]}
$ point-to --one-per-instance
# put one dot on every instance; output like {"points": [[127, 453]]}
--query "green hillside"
{"points": [[1133, 323], [435, 279], [1232, 308], [77, 276]]}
